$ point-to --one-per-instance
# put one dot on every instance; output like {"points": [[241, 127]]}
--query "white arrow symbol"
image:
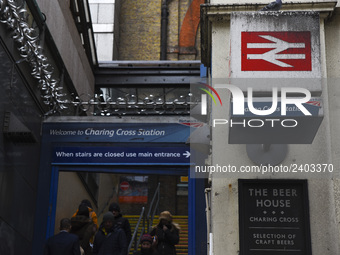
{"points": [[278, 46], [186, 154]]}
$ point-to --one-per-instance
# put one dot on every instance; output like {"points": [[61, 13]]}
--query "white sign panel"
{"points": [[276, 45]]}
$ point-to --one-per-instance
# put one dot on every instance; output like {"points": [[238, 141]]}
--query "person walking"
{"points": [[166, 234], [122, 222], [92, 213], [110, 239], [84, 228], [147, 247], [63, 243]]}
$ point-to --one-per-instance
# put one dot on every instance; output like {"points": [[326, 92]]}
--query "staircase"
{"points": [[182, 221], [133, 219], [182, 247]]}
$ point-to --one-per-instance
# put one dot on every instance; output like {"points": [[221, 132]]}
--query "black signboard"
{"points": [[274, 217]]}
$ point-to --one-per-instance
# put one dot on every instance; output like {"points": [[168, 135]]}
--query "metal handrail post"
{"points": [[151, 217], [134, 236]]}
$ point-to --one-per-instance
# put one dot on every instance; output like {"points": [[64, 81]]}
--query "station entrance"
{"points": [[141, 196], [124, 162]]}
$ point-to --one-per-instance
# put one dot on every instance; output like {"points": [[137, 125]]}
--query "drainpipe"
{"points": [[164, 29], [207, 192]]}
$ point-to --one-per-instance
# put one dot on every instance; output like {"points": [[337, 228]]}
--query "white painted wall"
{"points": [[102, 14], [323, 190], [332, 45]]}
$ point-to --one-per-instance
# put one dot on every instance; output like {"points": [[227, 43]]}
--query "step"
{"points": [[181, 220]]}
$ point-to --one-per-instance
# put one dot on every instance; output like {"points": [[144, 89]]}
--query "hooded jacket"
{"points": [[124, 224], [92, 213], [121, 222], [111, 242]]}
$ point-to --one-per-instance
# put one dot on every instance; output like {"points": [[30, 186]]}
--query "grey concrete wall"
{"points": [[62, 27]]}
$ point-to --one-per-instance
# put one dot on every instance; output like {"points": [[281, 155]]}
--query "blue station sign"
{"points": [[122, 155], [117, 132]]}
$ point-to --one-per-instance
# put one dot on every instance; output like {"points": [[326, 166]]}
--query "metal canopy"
{"points": [[143, 73]]}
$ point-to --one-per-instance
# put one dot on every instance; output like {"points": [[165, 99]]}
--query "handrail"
{"points": [[142, 216], [153, 207], [150, 216]]}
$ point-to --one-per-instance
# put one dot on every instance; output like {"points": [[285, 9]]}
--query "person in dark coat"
{"points": [[146, 246], [110, 239], [63, 243], [92, 213], [84, 228], [167, 234], [121, 221]]}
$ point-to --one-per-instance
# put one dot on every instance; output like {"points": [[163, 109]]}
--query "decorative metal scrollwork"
{"points": [[131, 105], [30, 50]]}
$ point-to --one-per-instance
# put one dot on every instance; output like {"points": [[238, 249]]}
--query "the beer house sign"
{"points": [[274, 217]]}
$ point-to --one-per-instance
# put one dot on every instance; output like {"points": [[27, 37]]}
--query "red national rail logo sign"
{"points": [[276, 51]]}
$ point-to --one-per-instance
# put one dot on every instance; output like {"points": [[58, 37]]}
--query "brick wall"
{"points": [[140, 27], [140, 30]]}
